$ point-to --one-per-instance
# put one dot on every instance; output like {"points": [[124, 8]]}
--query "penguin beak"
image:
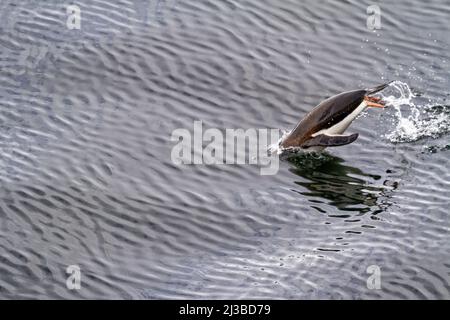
{"points": [[374, 102]]}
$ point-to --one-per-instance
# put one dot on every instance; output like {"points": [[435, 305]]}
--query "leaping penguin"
{"points": [[324, 125]]}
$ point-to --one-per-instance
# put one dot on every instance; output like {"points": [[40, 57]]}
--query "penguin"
{"points": [[325, 124]]}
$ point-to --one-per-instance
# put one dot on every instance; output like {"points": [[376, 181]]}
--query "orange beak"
{"points": [[374, 102]]}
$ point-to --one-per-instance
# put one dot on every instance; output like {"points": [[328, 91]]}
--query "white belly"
{"points": [[340, 127]]}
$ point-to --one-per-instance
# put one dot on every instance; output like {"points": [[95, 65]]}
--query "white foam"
{"points": [[276, 147], [414, 120]]}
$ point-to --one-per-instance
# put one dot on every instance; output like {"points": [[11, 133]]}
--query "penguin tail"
{"points": [[378, 88]]}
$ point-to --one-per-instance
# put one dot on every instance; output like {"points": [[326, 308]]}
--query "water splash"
{"points": [[416, 117], [276, 147]]}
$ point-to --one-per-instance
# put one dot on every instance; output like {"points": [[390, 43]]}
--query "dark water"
{"points": [[86, 176]]}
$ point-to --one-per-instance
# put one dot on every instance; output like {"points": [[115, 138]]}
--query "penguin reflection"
{"points": [[328, 178]]}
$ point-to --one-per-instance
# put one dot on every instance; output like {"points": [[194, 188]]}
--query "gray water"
{"points": [[86, 118]]}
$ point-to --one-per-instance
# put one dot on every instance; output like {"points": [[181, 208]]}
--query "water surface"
{"points": [[86, 176]]}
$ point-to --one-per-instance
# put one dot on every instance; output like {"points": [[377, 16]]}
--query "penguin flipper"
{"points": [[323, 140]]}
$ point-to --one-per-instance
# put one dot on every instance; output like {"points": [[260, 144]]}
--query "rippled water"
{"points": [[85, 124]]}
